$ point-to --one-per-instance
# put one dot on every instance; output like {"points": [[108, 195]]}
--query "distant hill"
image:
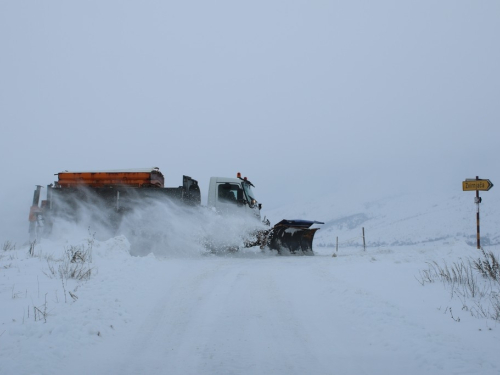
{"points": [[405, 219]]}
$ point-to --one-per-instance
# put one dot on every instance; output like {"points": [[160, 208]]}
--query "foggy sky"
{"points": [[353, 99]]}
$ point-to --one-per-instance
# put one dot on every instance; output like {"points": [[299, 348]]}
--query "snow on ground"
{"points": [[251, 312]]}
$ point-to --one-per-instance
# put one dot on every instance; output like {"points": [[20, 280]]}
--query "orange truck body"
{"points": [[153, 178]]}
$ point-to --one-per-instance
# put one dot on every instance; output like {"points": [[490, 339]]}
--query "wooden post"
{"points": [[336, 248], [33, 213], [478, 200], [364, 243]]}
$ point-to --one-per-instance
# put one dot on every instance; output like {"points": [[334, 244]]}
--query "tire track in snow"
{"points": [[254, 329], [156, 342], [222, 316]]}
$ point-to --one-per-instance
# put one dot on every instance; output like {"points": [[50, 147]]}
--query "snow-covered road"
{"points": [[254, 313]]}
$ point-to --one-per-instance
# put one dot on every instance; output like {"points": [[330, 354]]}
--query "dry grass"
{"points": [[476, 282]]}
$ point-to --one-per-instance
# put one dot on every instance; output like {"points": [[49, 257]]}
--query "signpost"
{"points": [[471, 184]]}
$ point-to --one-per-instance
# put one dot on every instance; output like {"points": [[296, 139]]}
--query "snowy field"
{"points": [[251, 312], [325, 106]]}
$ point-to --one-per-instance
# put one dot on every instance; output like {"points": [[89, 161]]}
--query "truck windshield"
{"points": [[249, 193]]}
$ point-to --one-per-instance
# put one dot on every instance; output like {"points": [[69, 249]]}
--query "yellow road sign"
{"points": [[472, 185]]}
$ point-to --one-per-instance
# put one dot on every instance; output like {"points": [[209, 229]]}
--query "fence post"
{"points": [[364, 243], [337, 245]]}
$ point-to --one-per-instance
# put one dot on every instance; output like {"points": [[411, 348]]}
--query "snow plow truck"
{"points": [[115, 194]]}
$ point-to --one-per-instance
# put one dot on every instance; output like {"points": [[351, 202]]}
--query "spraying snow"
{"points": [[162, 227]]}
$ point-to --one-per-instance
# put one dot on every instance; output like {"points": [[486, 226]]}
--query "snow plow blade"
{"points": [[293, 236]]}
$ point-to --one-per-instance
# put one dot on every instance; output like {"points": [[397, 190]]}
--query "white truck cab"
{"points": [[232, 194]]}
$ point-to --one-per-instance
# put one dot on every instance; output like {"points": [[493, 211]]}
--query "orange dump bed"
{"points": [[104, 179]]}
